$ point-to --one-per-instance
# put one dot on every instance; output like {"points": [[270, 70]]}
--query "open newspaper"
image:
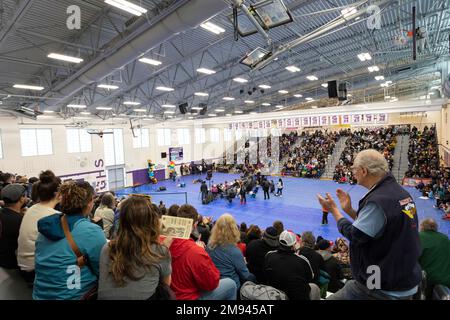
{"points": [[176, 227]]}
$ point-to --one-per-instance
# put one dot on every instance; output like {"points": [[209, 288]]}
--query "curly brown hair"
{"points": [[132, 248], [75, 196]]}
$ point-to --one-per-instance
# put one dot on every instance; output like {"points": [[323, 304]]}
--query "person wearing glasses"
{"points": [[384, 238]]}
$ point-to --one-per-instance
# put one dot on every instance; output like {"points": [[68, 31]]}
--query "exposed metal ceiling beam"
{"points": [[13, 22]]}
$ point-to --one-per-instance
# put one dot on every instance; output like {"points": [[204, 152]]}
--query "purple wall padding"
{"points": [[141, 176]]}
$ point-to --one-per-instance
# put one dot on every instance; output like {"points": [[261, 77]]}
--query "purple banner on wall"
{"points": [[141, 176]]}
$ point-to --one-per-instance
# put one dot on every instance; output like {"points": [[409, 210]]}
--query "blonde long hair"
{"points": [[225, 231]]}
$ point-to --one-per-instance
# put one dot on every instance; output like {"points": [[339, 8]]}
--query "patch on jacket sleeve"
{"points": [[410, 210], [405, 201]]}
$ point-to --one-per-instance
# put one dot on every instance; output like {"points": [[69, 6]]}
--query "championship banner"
{"points": [[279, 123], [305, 121], [297, 122], [289, 122], [334, 120], [345, 119], [357, 119], [324, 120], [268, 124], [314, 121], [382, 118], [368, 119]]}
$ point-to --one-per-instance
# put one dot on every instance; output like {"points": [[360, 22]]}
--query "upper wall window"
{"points": [[36, 142], [78, 140]]}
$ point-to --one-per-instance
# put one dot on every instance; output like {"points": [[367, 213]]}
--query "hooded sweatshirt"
{"points": [[57, 274], [193, 271], [331, 266]]}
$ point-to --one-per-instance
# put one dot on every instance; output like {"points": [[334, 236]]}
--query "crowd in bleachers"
{"points": [[309, 159], [381, 139], [423, 153]]}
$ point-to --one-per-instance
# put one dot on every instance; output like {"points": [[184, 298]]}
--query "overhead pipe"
{"points": [[314, 34], [188, 14]]}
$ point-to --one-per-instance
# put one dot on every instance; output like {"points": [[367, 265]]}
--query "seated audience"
{"points": [[132, 264], [223, 250], [105, 212], [56, 263], [308, 242], [330, 266], [257, 250], [290, 272], [194, 275], [11, 215], [46, 189], [435, 256]]}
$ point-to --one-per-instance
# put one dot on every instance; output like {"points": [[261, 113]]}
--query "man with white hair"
{"points": [[384, 238]]}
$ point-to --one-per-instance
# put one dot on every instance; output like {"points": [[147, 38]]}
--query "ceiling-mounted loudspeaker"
{"points": [[183, 108], [332, 89], [204, 108], [342, 91]]}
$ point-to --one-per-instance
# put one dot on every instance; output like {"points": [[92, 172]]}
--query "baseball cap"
{"points": [[287, 238], [12, 192]]}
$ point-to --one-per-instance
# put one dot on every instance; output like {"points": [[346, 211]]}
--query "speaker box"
{"points": [[162, 188], [183, 108], [204, 108], [163, 155], [332, 89], [342, 92]]}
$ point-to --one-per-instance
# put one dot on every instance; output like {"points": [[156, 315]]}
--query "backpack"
{"points": [[253, 291]]}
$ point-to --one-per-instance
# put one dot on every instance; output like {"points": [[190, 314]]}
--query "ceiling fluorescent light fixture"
{"points": [[150, 61], [219, 110], [29, 87], [249, 101], [127, 6], [348, 12], [76, 106], [228, 98], [164, 89], [85, 113], [63, 57], [239, 111], [309, 99], [169, 112], [253, 112], [104, 108], [168, 106], [379, 78], [283, 91], [107, 86], [312, 78], [212, 115], [201, 94], [325, 85], [292, 69], [279, 106], [131, 103], [240, 80], [298, 95], [49, 111], [212, 27], [140, 110], [373, 69], [206, 71], [265, 104], [196, 108], [264, 86], [364, 56]]}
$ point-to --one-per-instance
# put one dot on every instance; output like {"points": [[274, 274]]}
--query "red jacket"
{"points": [[193, 270]]}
